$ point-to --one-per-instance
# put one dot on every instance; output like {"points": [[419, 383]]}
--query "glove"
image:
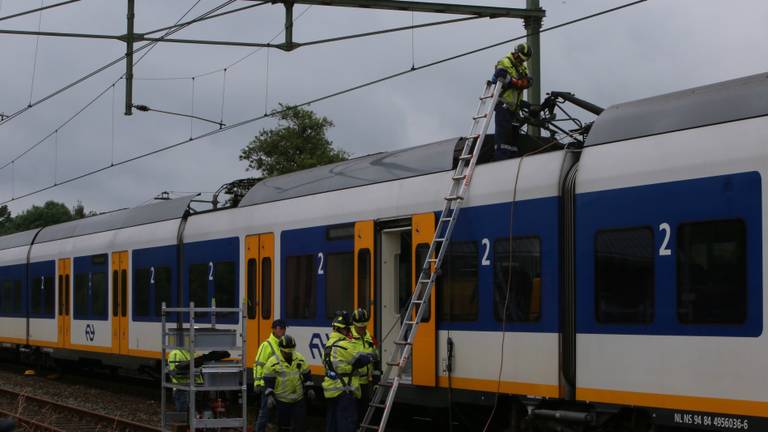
{"points": [[271, 402], [311, 394]]}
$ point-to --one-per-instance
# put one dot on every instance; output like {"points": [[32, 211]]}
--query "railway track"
{"points": [[39, 414]]}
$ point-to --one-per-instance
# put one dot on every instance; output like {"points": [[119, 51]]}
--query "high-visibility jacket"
{"points": [[338, 356], [175, 358], [267, 350], [287, 380], [364, 344], [511, 96]]}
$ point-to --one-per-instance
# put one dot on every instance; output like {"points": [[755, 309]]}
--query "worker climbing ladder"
{"points": [[384, 394]]}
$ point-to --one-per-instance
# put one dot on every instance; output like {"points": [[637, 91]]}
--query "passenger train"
{"points": [[615, 284]]}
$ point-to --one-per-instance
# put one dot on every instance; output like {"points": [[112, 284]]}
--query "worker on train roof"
{"points": [[513, 73]]}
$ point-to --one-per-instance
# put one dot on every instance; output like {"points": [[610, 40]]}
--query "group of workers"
{"points": [[283, 379], [281, 375]]}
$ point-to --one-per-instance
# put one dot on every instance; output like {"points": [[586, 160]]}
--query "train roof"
{"points": [[157, 211], [722, 102], [365, 170]]}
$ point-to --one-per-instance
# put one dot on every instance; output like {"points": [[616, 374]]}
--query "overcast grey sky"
{"points": [[652, 48]]}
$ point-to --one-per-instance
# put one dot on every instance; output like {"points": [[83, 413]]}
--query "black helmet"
{"points": [[524, 50], [287, 343], [360, 317], [342, 320]]}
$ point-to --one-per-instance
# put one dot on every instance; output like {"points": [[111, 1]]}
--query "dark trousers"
{"points": [[507, 131], [365, 399], [263, 418], [341, 413], [291, 416]]}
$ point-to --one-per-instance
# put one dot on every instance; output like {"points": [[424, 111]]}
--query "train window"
{"points": [[712, 272], [198, 286], [458, 296], [10, 297], [163, 287], [115, 293], [141, 282], [66, 294], [99, 297], [422, 249], [363, 278], [41, 296], [624, 276], [520, 288], [225, 287], [266, 288], [339, 283], [300, 283], [61, 294], [124, 293], [81, 296], [251, 288], [341, 232]]}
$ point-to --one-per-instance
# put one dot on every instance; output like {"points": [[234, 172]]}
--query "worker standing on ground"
{"points": [[341, 385], [286, 378], [365, 343], [267, 350], [513, 73]]}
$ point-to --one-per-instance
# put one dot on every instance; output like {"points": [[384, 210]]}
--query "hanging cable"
{"points": [[34, 62], [112, 155], [413, 42], [92, 101], [266, 86], [318, 99], [223, 94], [192, 115], [56, 157]]}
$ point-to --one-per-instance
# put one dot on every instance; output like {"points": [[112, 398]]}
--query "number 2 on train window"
{"points": [[664, 250]]}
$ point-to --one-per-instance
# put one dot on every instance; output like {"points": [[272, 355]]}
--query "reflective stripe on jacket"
{"points": [[176, 357], [339, 354], [512, 96], [287, 380], [364, 344], [267, 350]]}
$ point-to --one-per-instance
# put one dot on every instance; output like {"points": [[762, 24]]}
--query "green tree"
{"points": [[50, 213], [5, 220], [298, 142]]}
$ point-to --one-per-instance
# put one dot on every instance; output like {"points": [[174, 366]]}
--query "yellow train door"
{"points": [[63, 281], [425, 342], [259, 290], [364, 293], [120, 302]]}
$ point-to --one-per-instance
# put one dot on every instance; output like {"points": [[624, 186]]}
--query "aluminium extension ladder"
{"points": [[384, 394]]}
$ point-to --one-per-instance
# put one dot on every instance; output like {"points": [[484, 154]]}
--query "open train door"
{"points": [[425, 342], [259, 282], [364, 294], [63, 281]]}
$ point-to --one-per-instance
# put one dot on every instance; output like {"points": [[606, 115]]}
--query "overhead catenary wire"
{"points": [[95, 72], [37, 46], [318, 99], [92, 101], [31, 11]]}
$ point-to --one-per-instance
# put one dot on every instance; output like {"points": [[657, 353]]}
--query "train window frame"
{"points": [[303, 290], [115, 293], [266, 288], [198, 281], [340, 232], [45, 305], [447, 292], [99, 309], [80, 307], [646, 306], [741, 286], [498, 273], [11, 298], [164, 274], [225, 289], [336, 280]]}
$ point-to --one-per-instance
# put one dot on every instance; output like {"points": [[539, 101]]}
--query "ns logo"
{"points": [[316, 345]]}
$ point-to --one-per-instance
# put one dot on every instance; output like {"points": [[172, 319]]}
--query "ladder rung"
{"points": [[418, 301], [431, 259], [365, 426], [479, 116], [473, 136], [454, 197], [459, 177], [397, 363], [408, 322], [466, 157], [486, 96], [441, 239], [403, 343]]}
